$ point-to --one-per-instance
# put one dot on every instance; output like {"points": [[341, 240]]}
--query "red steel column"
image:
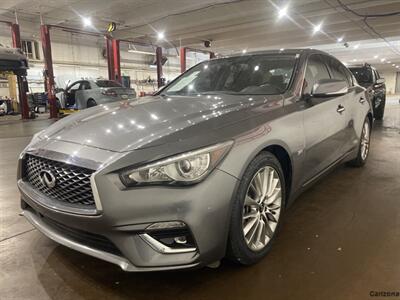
{"points": [[159, 66], [48, 69], [113, 59], [22, 82], [117, 60], [212, 55], [182, 56], [110, 60]]}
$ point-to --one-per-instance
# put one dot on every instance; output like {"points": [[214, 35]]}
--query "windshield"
{"points": [[245, 75], [363, 75], [107, 83]]}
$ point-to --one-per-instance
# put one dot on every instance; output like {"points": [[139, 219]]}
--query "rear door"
{"points": [[82, 94], [324, 121], [352, 100]]}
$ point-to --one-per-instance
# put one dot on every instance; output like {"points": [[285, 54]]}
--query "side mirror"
{"points": [[329, 88], [380, 81]]}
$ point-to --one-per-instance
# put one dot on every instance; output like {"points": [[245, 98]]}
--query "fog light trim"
{"points": [[161, 248]]}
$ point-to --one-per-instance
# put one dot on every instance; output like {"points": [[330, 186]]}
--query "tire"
{"points": [[239, 249], [361, 158], [91, 103], [380, 110]]}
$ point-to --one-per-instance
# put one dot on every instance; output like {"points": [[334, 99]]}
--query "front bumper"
{"points": [[126, 213]]}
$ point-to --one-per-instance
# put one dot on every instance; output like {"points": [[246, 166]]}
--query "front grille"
{"points": [[72, 182]]}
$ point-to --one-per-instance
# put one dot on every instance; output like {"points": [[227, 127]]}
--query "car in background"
{"points": [[13, 60], [368, 77], [87, 93], [203, 169]]}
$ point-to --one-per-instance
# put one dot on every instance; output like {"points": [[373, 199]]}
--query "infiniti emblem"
{"points": [[47, 179]]}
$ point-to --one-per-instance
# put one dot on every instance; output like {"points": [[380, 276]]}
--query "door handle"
{"points": [[340, 109], [362, 100]]}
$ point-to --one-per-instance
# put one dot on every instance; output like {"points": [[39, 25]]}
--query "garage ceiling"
{"points": [[232, 25]]}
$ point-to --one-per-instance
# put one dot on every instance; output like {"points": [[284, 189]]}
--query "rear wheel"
{"points": [[91, 103], [364, 145], [257, 210]]}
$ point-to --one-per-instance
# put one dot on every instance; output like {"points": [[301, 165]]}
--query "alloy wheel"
{"points": [[262, 208]]}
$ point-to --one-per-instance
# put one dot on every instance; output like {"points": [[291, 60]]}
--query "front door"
{"points": [[324, 121]]}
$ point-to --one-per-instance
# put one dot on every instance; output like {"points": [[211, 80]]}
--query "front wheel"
{"points": [[364, 145], [91, 103], [257, 210]]}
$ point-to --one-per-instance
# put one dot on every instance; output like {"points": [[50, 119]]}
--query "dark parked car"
{"points": [[202, 170], [13, 60], [368, 77]]}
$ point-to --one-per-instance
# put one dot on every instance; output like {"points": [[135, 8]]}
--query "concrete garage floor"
{"points": [[340, 240]]}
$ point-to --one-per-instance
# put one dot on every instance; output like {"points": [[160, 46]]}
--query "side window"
{"points": [[349, 77], [84, 85], [74, 87], [315, 71], [338, 71]]}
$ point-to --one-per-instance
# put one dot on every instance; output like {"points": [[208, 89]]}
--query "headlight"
{"points": [[186, 168]]}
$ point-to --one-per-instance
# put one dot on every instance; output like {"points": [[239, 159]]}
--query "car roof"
{"points": [[279, 51], [363, 65]]}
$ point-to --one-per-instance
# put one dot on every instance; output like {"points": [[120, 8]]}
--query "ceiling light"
{"points": [[86, 21], [388, 61], [160, 35], [354, 59], [317, 28], [256, 68], [244, 51], [340, 39], [383, 59], [282, 12], [281, 49], [397, 67], [376, 56], [356, 46], [393, 65]]}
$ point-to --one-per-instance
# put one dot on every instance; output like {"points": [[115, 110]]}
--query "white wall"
{"points": [[390, 80]]}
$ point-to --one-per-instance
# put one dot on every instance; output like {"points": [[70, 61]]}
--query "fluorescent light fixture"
{"points": [[141, 52], [282, 12], [160, 35], [86, 21], [339, 40], [317, 28]]}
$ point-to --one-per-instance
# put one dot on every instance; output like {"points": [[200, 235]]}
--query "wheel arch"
{"points": [[286, 163], [282, 153]]}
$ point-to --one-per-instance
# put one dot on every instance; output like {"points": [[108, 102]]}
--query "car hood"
{"points": [[128, 125]]}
